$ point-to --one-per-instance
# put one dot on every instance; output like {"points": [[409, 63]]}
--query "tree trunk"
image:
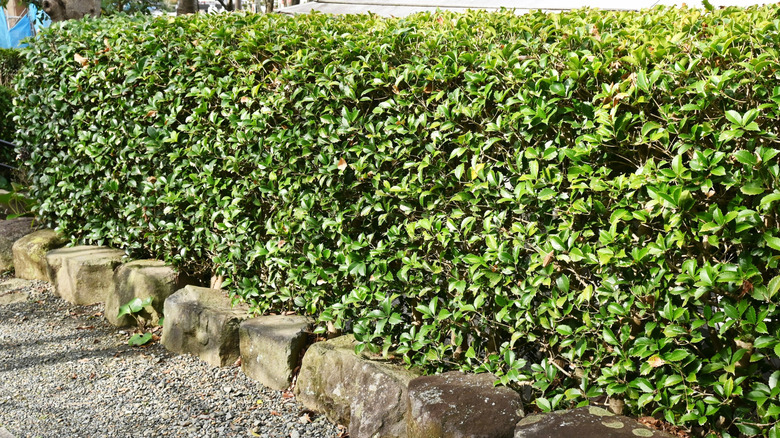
{"points": [[59, 10], [187, 7], [269, 6]]}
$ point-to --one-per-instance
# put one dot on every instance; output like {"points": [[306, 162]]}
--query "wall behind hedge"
{"points": [[582, 202]]}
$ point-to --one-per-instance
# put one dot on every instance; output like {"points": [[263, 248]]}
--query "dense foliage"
{"points": [[10, 62], [6, 118], [584, 202]]}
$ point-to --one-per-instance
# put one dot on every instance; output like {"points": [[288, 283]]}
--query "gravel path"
{"points": [[65, 372]]}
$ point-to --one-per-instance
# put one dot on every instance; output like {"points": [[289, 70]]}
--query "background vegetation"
{"points": [[10, 62], [582, 202]]}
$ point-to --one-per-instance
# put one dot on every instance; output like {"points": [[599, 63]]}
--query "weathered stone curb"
{"points": [[375, 399], [271, 347], [83, 274], [202, 322], [482, 410], [30, 254], [11, 231], [585, 422], [141, 279], [369, 397]]}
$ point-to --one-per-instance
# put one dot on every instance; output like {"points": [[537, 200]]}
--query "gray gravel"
{"points": [[65, 372]]}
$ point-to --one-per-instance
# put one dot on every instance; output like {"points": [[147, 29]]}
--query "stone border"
{"points": [[373, 398]]}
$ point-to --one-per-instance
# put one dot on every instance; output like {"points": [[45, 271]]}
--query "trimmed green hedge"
{"points": [[584, 202]]}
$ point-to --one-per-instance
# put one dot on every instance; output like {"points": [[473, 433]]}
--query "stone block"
{"points": [[11, 231], [585, 422], [83, 274], [30, 254], [142, 279], [458, 405], [202, 322], [271, 348], [370, 397]]}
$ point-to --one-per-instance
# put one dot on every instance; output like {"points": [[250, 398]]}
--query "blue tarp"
{"points": [[12, 38]]}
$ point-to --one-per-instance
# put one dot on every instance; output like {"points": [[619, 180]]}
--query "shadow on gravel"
{"points": [[19, 363], [89, 336], [65, 419]]}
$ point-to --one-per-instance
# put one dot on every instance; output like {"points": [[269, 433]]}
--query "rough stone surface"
{"points": [[271, 347], [370, 397], [30, 254], [83, 275], [142, 279], [202, 322], [454, 405], [585, 422], [5, 434], [11, 231]]}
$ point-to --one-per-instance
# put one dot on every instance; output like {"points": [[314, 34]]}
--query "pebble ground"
{"points": [[66, 372]]}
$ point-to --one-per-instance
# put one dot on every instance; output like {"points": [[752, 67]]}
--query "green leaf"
{"points": [[123, 310], [395, 319], [564, 330], [675, 356], [491, 242], [609, 336], [728, 135], [616, 309], [774, 284], [768, 200], [547, 194], [753, 188], [643, 384], [563, 283], [139, 339], [135, 305], [557, 243], [641, 81], [644, 399], [746, 157], [544, 404], [734, 117], [672, 380], [674, 330], [558, 88], [772, 241], [749, 116]]}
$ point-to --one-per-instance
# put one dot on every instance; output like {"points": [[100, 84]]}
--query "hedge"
{"points": [[582, 203]]}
